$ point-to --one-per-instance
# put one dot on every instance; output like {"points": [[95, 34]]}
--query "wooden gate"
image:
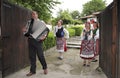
{"points": [[106, 40], [109, 54], [14, 45]]}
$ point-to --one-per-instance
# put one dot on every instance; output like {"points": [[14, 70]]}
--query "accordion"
{"points": [[40, 30]]}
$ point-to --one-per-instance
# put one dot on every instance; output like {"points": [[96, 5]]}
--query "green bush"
{"points": [[78, 30], [49, 41], [71, 32]]}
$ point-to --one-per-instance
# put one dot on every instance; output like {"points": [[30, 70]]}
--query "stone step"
{"points": [[73, 46], [74, 43], [74, 39]]}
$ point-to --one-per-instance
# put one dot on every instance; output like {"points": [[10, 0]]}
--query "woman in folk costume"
{"points": [[87, 45], [61, 35], [96, 40]]}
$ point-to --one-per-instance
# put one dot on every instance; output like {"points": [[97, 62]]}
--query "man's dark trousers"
{"points": [[35, 48]]}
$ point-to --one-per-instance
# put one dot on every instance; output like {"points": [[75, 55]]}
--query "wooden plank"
{"points": [[118, 53], [0, 39], [114, 40]]}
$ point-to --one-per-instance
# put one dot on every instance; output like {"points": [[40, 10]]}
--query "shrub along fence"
{"points": [[49, 41]]}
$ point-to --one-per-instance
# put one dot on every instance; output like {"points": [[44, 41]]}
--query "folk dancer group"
{"points": [[90, 43], [89, 46]]}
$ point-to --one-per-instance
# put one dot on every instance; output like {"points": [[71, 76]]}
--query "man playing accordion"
{"points": [[36, 31]]}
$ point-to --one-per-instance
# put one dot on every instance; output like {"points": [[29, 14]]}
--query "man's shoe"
{"points": [[30, 74], [45, 71], [94, 60], [60, 58]]}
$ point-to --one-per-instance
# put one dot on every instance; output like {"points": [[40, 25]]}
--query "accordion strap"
{"points": [[31, 26]]}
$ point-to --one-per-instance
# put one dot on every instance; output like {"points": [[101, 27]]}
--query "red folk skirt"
{"points": [[87, 49]]}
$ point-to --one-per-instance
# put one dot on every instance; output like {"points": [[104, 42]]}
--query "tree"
{"points": [[65, 16], [75, 14], [93, 6], [43, 7]]}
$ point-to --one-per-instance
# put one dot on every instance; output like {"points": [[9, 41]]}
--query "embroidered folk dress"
{"points": [[61, 41], [87, 45]]}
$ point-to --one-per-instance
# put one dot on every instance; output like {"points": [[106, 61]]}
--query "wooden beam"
{"points": [[114, 40]]}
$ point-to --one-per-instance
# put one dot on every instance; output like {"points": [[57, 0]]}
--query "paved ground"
{"points": [[69, 67]]}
